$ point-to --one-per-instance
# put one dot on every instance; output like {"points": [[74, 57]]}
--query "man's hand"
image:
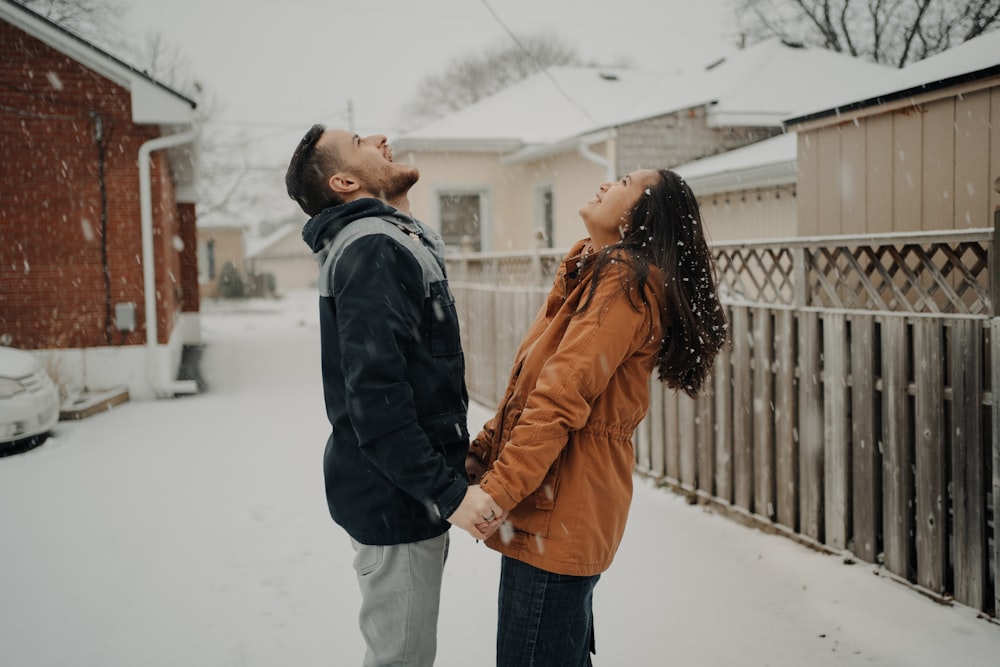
{"points": [[477, 510]]}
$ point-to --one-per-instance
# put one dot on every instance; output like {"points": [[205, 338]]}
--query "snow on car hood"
{"points": [[16, 363]]}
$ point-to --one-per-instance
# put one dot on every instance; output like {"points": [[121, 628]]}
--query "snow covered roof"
{"points": [[751, 87], [257, 245], [152, 101], [976, 59], [546, 107], [763, 164]]}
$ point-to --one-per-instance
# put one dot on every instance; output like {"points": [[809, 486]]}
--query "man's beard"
{"points": [[392, 182]]}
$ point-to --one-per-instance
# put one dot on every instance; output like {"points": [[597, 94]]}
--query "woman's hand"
{"points": [[475, 468]]}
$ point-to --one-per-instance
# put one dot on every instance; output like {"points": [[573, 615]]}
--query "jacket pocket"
{"points": [[445, 338], [545, 495], [367, 558]]}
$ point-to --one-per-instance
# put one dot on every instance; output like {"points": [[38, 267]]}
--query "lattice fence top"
{"points": [[945, 273], [921, 278], [918, 273], [760, 275]]}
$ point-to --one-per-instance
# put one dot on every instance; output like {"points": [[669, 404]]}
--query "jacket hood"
{"points": [[323, 227]]}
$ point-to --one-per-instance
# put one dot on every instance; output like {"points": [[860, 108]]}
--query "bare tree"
{"points": [[893, 32], [471, 77], [98, 21]]}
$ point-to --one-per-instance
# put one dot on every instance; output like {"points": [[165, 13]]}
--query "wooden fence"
{"points": [[853, 411]]}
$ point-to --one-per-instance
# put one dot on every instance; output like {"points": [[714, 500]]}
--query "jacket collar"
{"points": [[322, 228]]}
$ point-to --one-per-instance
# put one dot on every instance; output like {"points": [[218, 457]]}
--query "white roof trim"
{"points": [[760, 176], [445, 145], [745, 119], [532, 153]]}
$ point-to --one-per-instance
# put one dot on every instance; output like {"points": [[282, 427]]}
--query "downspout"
{"points": [[601, 160], [162, 387]]}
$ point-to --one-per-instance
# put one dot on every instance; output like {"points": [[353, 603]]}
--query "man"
{"points": [[393, 380]]}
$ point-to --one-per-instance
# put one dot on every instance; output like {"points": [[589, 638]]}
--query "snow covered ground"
{"points": [[194, 532]]}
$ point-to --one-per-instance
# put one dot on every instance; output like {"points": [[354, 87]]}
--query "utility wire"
{"points": [[546, 72]]}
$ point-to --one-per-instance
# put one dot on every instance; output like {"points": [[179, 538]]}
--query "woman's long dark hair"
{"points": [[665, 230]]}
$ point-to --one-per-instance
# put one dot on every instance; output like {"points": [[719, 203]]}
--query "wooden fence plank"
{"points": [[810, 428], [672, 442], [656, 415], [897, 461], [786, 450], [969, 481], [642, 444], [763, 414], [931, 465], [742, 406], [704, 407], [484, 366], [686, 426], [866, 462], [836, 451], [724, 425], [995, 442]]}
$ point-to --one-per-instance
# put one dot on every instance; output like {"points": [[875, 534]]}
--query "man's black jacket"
{"points": [[393, 374]]}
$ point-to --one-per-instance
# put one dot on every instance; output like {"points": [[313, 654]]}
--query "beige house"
{"points": [[285, 256], [218, 246], [749, 192], [510, 172], [923, 154]]}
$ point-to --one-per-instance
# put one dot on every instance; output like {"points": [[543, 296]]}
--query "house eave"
{"points": [[733, 180], [717, 119], [539, 152], [928, 92], [446, 145]]}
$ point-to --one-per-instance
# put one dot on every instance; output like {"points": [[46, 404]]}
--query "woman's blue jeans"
{"points": [[544, 619]]}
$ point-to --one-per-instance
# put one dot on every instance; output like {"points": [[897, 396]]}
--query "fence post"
{"points": [[801, 273], [995, 390], [536, 259]]}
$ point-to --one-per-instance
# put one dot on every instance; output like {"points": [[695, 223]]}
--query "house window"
{"points": [[206, 261], [545, 219], [461, 220]]}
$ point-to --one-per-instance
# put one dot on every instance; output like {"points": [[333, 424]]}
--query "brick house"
{"points": [[514, 168], [98, 267]]}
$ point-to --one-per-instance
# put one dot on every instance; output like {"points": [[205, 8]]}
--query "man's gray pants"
{"points": [[400, 597]]}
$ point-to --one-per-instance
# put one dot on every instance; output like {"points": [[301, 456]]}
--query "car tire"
{"points": [[22, 446]]}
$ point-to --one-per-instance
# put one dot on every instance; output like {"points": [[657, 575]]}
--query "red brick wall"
{"points": [[189, 259], [52, 268]]}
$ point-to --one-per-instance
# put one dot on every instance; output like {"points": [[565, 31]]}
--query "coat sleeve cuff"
{"points": [[453, 496], [499, 495]]}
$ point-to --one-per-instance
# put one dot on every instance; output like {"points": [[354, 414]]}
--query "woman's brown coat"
{"points": [[559, 449]]}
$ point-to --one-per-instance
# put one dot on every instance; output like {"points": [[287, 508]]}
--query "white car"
{"points": [[29, 400]]}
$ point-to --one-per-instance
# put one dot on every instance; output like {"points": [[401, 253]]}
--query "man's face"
{"points": [[368, 162]]}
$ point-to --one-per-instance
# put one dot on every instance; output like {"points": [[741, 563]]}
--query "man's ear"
{"points": [[343, 183]]}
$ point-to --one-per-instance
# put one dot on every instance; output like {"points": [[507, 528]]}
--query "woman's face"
{"points": [[607, 215]]}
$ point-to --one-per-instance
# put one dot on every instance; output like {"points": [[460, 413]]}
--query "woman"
{"points": [[638, 294]]}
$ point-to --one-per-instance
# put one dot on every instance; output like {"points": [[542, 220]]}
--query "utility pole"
{"points": [[350, 115]]}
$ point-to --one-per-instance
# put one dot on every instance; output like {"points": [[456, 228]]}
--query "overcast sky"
{"points": [[277, 66]]}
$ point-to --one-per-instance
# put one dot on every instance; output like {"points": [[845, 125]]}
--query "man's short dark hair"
{"points": [[309, 172]]}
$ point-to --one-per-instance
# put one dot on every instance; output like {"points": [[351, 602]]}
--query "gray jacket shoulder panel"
{"points": [[417, 245]]}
